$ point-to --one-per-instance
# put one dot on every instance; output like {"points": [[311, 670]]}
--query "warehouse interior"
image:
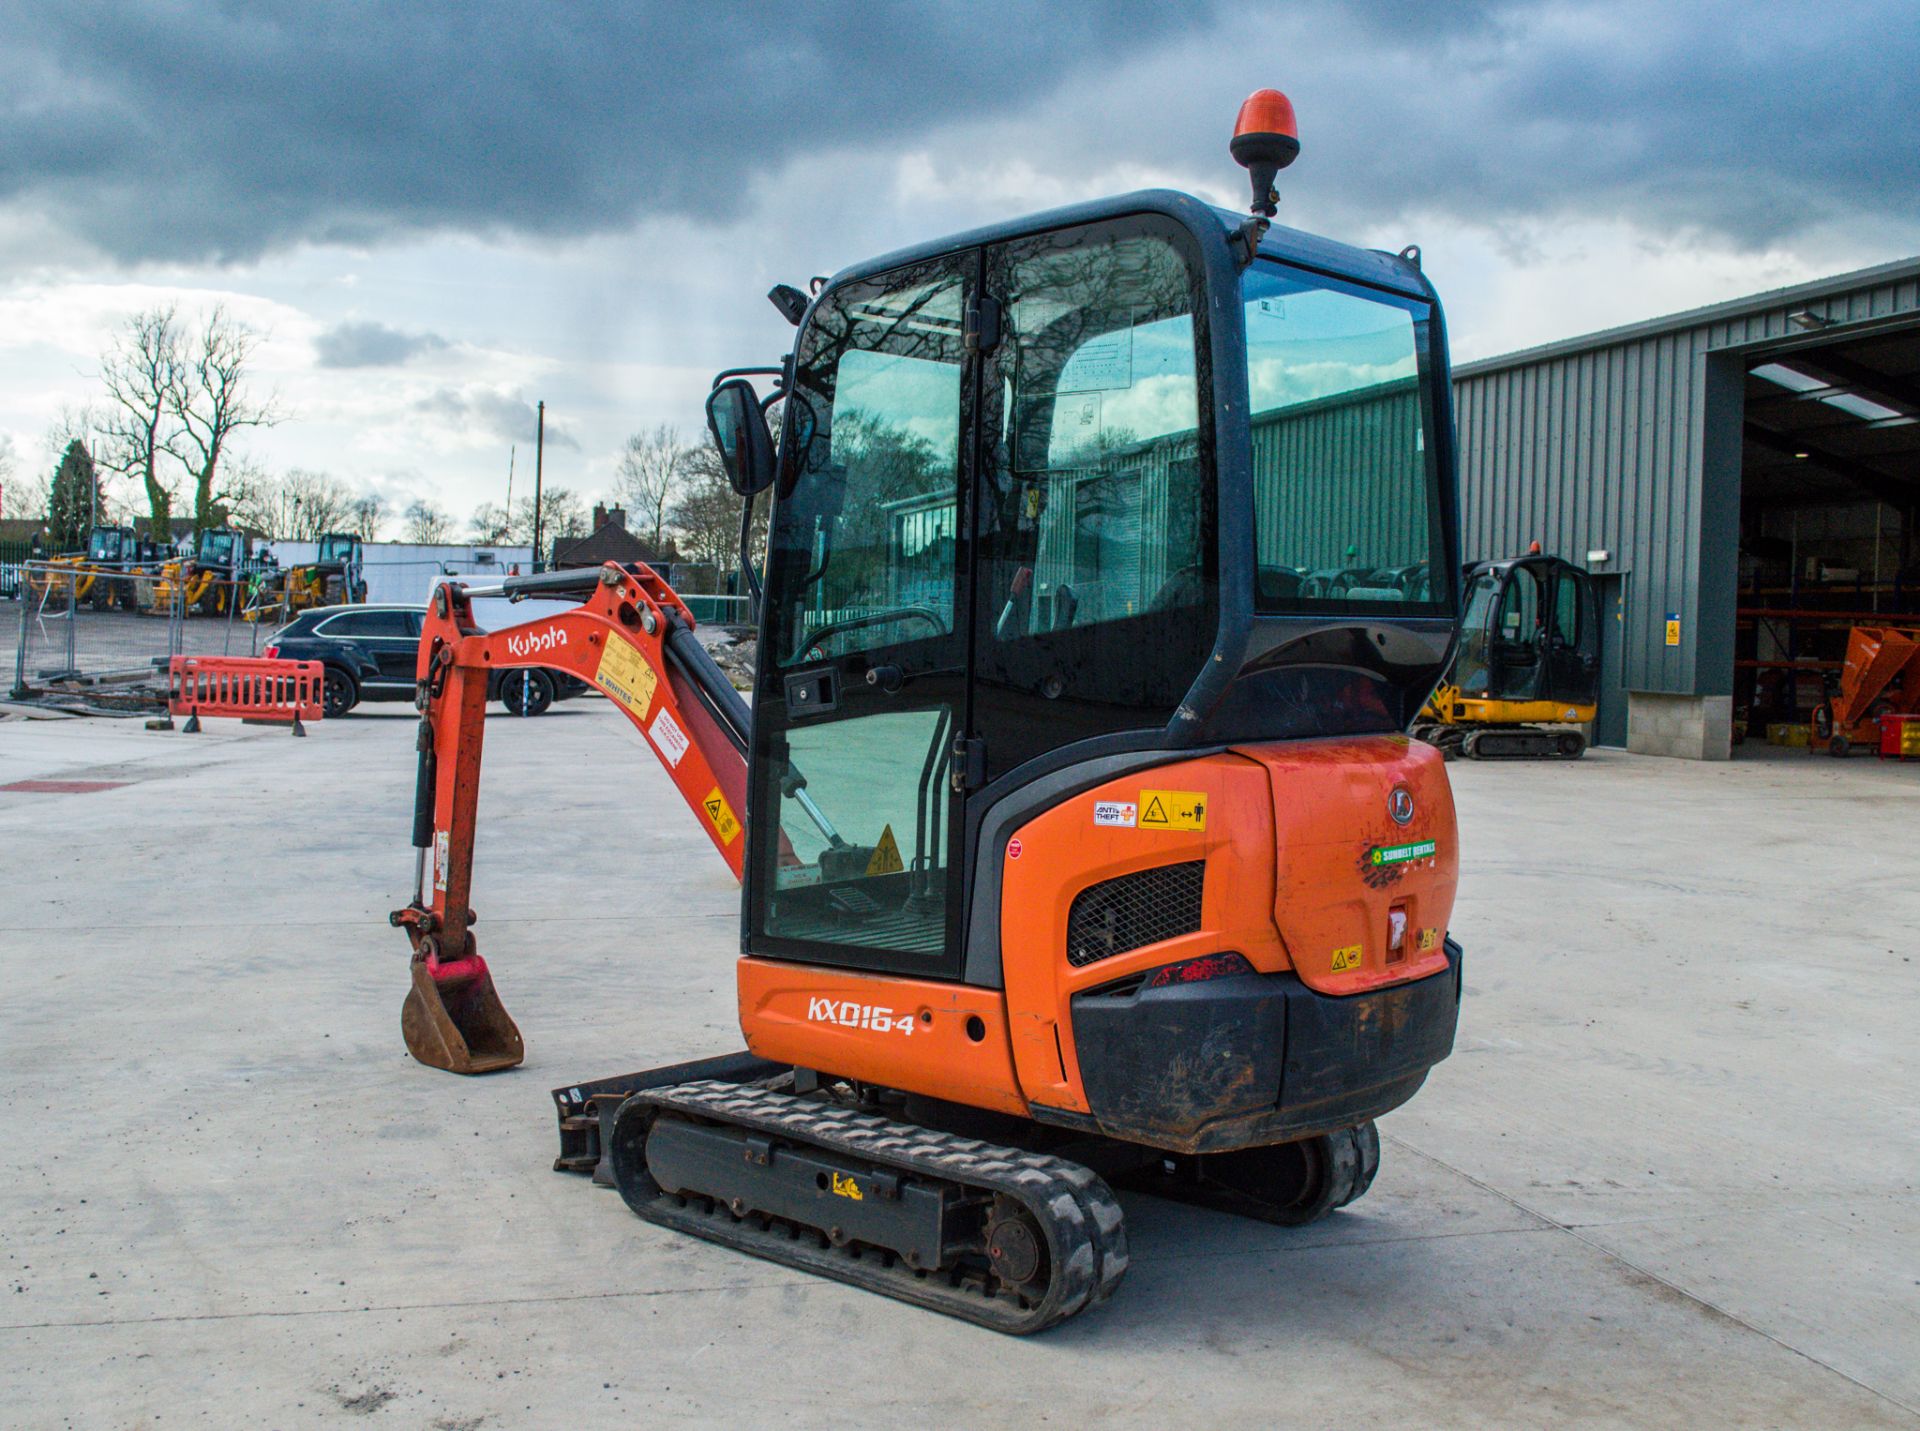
{"points": [[1830, 482]]}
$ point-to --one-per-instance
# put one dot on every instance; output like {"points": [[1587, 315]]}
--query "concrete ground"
{"points": [[1667, 1178]]}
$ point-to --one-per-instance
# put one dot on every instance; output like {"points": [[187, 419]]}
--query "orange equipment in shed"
{"points": [[1080, 838], [1881, 676]]}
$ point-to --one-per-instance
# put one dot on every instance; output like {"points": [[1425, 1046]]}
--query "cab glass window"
{"points": [[1520, 608], [1346, 486], [865, 543], [1566, 610], [1096, 528]]}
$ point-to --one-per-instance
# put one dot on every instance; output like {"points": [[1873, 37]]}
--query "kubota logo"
{"points": [[533, 641], [1400, 804]]}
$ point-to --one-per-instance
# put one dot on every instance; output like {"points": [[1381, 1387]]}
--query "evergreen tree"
{"points": [[74, 499]]}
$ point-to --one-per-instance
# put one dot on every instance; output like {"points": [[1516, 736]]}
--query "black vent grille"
{"points": [[1120, 914]]}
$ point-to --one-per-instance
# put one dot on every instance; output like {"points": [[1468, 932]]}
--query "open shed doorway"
{"points": [[1830, 484]]}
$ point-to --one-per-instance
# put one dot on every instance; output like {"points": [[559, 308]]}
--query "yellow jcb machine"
{"points": [[1526, 673]]}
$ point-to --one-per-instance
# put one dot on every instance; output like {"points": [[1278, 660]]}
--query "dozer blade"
{"points": [[453, 1019]]}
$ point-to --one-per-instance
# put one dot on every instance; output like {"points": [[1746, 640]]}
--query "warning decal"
{"points": [[625, 675], [667, 734], [721, 813], [886, 855], [1348, 958], [1173, 810], [1116, 812]]}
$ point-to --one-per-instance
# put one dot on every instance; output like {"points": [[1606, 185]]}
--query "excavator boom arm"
{"points": [[632, 637]]}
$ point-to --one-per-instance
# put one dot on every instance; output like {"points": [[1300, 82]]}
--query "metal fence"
{"points": [[97, 636]]}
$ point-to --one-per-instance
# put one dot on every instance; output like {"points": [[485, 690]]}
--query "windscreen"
{"points": [[1345, 481]]}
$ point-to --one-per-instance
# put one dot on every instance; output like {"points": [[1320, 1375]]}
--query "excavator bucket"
{"points": [[453, 1018]]}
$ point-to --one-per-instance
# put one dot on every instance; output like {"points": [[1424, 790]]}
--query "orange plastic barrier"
{"points": [[250, 687]]}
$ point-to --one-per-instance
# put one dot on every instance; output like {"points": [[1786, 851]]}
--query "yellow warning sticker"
{"points": [[1348, 958], [844, 1186], [1428, 939], [1173, 810], [721, 813], [626, 675], [886, 855]]}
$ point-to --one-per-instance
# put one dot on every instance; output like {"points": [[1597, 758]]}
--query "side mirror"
{"points": [[740, 433]]}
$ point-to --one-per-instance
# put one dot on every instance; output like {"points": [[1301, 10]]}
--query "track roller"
{"points": [[1011, 1240]]}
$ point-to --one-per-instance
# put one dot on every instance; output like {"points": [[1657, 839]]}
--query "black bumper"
{"points": [[1242, 1062]]}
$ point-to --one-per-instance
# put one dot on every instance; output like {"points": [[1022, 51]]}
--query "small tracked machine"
{"points": [[1526, 673], [1081, 841]]}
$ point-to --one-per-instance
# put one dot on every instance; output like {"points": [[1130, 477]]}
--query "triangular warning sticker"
{"points": [[1155, 813], [886, 855]]}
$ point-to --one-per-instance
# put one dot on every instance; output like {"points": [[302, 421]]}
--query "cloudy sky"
{"points": [[442, 211]]}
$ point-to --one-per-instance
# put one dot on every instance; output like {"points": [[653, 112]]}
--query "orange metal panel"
{"points": [[903, 1033], [1061, 852], [1344, 863]]}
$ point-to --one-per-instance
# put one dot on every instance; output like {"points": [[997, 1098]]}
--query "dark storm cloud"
{"points": [[217, 130], [1752, 122], [500, 415], [372, 345]]}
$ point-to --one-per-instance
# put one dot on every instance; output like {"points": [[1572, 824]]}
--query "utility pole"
{"points": [[539, 455]]}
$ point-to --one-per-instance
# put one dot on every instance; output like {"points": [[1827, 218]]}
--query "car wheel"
{"points": [[338, 695], [526, 693]]}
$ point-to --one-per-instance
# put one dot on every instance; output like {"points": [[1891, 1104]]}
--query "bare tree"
{"points": [[141, 372], [299, 505], [427, 523], [653, 465], [706, 519], [209, 402], [561, 516], [490, 525], [13, 491], [366, 515]]}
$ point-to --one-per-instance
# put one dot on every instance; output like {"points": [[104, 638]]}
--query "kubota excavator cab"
{"points": [[1078, 810], [1528, 667]]}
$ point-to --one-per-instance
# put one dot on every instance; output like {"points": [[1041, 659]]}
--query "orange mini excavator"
{"points": [[1080, 839]]}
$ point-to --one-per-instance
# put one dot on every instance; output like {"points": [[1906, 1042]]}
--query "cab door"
{"points": [[1519, 635], [1573, 639], [862, 687], [1095, 588]]}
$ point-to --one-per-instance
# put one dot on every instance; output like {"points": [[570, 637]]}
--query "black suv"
{"points": [[370, 654]]}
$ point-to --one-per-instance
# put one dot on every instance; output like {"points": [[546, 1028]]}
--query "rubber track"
{"points": [[1086, 1236], [1527, 745]]}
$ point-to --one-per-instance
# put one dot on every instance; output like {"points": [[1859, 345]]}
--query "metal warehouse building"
{"points": [[1742, 479]]}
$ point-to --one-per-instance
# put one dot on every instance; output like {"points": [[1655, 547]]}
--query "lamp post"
{"points": [[539, 454]]}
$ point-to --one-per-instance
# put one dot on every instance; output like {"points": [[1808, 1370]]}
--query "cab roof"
{"points": [[1325, 255]]}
